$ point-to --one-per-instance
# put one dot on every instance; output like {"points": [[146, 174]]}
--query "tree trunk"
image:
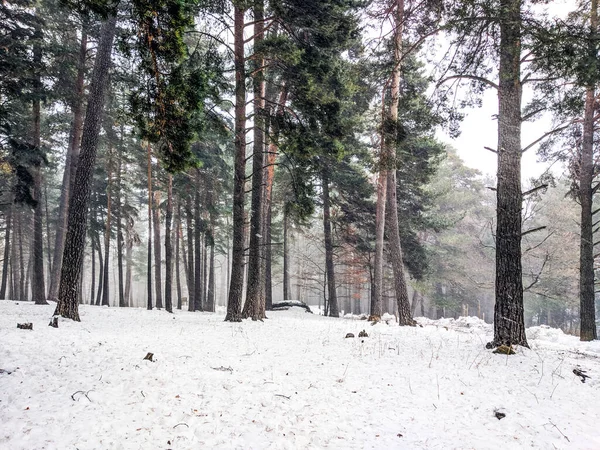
{"points": [[129, 261], [177, 249], [107, 232], [70, 168], [38, 286], [100, 271], [149, 263], [197, 248], [22, 273], [168, 250], [78, 203], [190, 262], [93, 280], [509, 326], [331, 290], [234, 300], [157, 250], [254, 307], [286, 255], [119, 219], [7, 247], [587, 308]]}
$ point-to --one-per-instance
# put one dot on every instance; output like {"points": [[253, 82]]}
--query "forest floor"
{"points": [[292, 382]]}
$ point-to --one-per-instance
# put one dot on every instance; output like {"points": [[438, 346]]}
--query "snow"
{"points": [[292, 382]]}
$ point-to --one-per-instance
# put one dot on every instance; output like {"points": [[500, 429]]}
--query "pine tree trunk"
{"points": [[93, 280], [177, 250], [107, 233], [7, 247], [197, 248], [509, 325], [78, 204], [168, 249], [38, 287], [149, 262], [234, 300], [286, 255], [190, 260], [100, 271], [157, 250], [48, 233], [329, 266], [129, 262], [70, 168], [119, 220], [22, 273], [586, 256]]}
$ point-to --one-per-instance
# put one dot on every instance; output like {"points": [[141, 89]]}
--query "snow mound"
{"points": [[546, 333], [461, 323]]}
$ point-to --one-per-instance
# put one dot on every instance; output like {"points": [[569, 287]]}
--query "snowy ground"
{"points": [[292, 382]]}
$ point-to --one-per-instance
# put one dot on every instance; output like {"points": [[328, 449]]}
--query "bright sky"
{"points": [[479, 128]]}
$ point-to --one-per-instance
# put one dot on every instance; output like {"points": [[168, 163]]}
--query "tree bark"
{"points": [[168, 249], [190, 249], [286, 255], [234, 300], [197, 248], [100, 271], [157, 250], [7, 247], [329, 266], [587, 310], [38, 286], [107, 232], [78, 204], [509, 326], [177, 250], [70, 167], [149, 262], [93, 280], [119, 220], [254, 306]]}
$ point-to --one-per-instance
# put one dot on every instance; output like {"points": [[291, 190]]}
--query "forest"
{"points": [[224, 156]]}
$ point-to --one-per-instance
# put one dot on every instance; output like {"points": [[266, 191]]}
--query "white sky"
{"points": [[479, 128]]}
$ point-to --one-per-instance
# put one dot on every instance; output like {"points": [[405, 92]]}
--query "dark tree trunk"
{"points": [[329, 266], [107, 233], [157, 250], [93, 280], [168, 250], [210, 301], [38, 286], [22, 274], [78, 204], [197, 248], [190, 250], [7, 246], [70, 168], [119, 220], [149, 263], [509, 325], [234, 300], [396, 257], [586, 193], [268, 258], [48, 233], [254, 307], [129, 262], [177, 249], [286, 254], [100, 271]]}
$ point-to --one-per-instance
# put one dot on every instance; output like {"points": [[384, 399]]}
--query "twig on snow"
{"points": [[552, 423]]}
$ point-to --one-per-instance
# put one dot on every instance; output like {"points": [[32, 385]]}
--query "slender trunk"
{"points": [[22, 285], [177, 248], [197, 248], [70, 168], [7, 246], [100, 271], [129, 261], [119, 220], [211, 272], [286, 255], [93, 280], [149, 263], [254, 305], [168, 249], [329, 266], [107, 232], [190, 261], [509, 325], [78, 203], [586, 262], [234, 300], [38, 286], [48, 234], [157, 250]]}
